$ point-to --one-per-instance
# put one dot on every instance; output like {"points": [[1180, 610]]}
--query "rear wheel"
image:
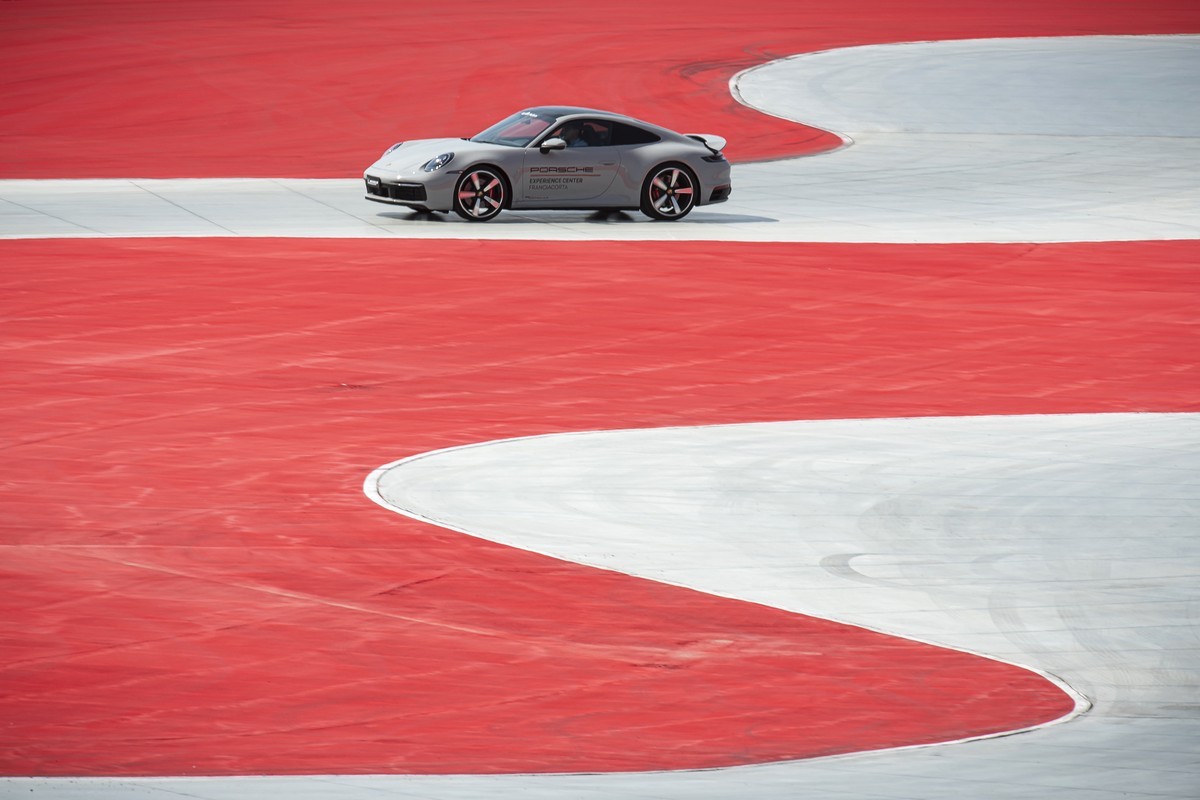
{"points": [[669, 192], [480, 194]]}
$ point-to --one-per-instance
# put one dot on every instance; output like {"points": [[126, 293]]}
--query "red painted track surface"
{"points": [[307, 88], [196, 585], [194, 582]]}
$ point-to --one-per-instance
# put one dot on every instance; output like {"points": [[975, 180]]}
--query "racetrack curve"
{"points": [[931, 162]]}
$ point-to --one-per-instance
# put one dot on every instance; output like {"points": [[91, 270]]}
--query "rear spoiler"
{"points": [[713, 142]]}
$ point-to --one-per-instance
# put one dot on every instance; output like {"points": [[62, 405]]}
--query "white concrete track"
{"points": [[1084, 139], [1064, 543], [1019, 537]]}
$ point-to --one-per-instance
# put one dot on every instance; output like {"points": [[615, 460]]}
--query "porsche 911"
{"points": [[555, 157]]}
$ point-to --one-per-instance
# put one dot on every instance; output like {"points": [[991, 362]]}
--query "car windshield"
{"points": [[517, 131]]}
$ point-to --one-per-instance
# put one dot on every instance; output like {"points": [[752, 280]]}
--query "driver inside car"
{"points": [[572, 133]]}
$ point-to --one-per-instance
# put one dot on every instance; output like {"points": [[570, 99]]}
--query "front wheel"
{"points": [[669, 192], [480, 194]]}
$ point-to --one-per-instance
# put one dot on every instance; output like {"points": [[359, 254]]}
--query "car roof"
{"points": [[566, 111], [569, 111]]}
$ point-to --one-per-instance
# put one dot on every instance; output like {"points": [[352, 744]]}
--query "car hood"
{"points": [[409, 157]]}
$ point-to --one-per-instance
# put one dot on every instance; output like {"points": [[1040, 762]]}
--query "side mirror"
{"points": [[553, 143]]}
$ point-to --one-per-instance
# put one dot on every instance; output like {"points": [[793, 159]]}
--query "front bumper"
{"points": [[425, 191], [401, 194]]}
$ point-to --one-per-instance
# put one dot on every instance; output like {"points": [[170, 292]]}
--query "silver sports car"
{"points": [[555, 157]]}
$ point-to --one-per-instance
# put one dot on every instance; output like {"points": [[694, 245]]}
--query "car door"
{"points": [[575, 175]]}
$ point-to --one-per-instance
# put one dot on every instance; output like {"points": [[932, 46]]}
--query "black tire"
{"points": [[669, 192], [480, 194]]}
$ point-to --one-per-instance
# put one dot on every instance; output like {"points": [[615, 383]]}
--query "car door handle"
{"points": [[608, 163]]}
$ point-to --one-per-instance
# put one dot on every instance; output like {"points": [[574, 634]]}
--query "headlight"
{"points": [[393, 147], [437, 163]]}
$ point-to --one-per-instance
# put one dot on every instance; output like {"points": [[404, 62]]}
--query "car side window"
{"points": [[584, 133], [623, 134]]}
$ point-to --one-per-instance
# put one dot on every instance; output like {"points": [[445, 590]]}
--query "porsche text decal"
{"points": [[584, 171]]}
